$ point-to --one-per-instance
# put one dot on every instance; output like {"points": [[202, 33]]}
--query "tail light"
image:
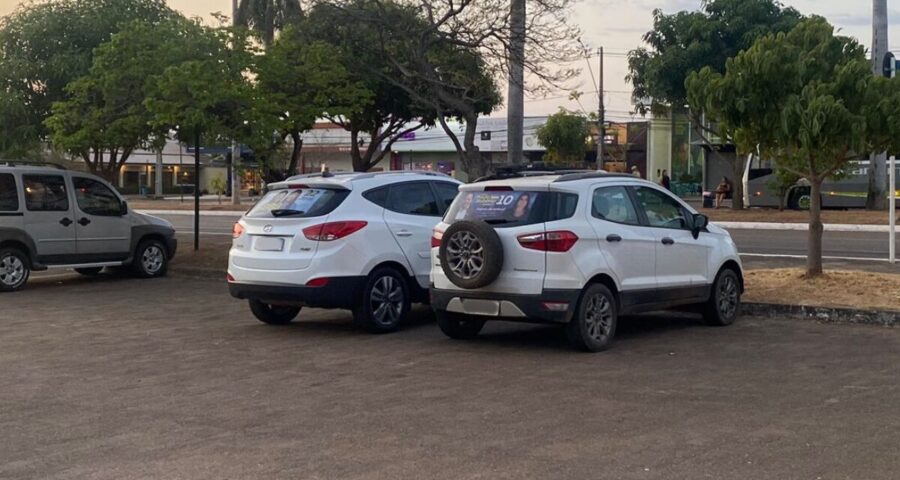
{"points": [[436, 237], [327, 232], [237, 230], [229, 278], [561, 241]]}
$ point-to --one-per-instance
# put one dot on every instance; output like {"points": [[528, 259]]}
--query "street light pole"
{"points": [[892, 204], [235, 148], [601, 120], [197, 190]]}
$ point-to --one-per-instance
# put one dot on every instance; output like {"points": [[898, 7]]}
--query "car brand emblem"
{"points": [[267, 229]]}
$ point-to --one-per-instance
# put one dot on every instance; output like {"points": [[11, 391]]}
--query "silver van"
{"points": [[51, 217]]}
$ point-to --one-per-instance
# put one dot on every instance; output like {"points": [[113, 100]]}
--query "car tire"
{"points": [[593, 327], [273, 314], [458, 326], [724, 304], [89, 272], [385, 303], [15, 268], [471, 254], [150, 259]]}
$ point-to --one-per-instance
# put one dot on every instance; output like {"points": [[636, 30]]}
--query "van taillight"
{"points": [[327, 232], [561, 241], [436, 237]]}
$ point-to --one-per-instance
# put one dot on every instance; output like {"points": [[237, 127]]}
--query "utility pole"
{"points": [[235, 148], [601, 120], [515, 111], [878, 161]]}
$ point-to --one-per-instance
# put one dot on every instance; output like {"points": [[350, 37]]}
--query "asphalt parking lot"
{"points": [[169, 379]]}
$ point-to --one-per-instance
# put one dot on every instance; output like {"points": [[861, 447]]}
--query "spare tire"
{"points": [[471, 254]]}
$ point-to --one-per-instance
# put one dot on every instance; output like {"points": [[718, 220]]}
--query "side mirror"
{"points": [[124, 208], [700, 222]]}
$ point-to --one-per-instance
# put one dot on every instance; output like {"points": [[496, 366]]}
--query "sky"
{"points": [[618, 27]]}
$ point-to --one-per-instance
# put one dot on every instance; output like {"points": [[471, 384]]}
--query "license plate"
{"points": [[269, 244]]}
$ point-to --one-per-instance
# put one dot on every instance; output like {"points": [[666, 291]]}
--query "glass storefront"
{"points": [[687, 159]]}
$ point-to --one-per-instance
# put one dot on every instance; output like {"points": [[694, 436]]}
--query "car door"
{"points": [[681, 259], [102, 229], [626, 246], [412, 212], [49, 218]]}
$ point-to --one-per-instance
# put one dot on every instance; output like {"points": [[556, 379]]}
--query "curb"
{"points": [[203, 213], [802, 227], [823, 314]]}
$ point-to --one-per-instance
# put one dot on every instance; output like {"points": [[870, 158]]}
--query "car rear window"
{"points": [[500, 208], [298, 203], [9, 195]]}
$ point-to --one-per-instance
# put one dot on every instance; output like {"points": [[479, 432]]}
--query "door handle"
{"points": [[668, 241], [613, 238], [84, 221], [404, 233], [65, 222]]}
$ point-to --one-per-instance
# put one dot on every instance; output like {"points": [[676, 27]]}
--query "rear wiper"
{"points": [[286, 212]]}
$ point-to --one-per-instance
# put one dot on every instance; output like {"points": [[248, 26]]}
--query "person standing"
{"points": [[666, 182], [635, 171]]}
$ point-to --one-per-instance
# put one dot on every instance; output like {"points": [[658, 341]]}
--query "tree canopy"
{"points": [[808, 100], [565, 136], [266, 17], [45, 46]]}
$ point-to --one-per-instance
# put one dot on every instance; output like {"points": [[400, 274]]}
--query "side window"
{"points": [[446, 193], [95, 198], [662, 210], [413, 199], [9, 194], [378, 196], [613, 204], [564, 206], [45, 193]]}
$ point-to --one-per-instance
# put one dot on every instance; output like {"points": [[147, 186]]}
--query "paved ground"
{"points": [[120, 379]]}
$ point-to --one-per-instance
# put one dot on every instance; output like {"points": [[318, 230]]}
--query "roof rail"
{"points": [[19, 163], [317, 175], [366, 175], [595, 174]]}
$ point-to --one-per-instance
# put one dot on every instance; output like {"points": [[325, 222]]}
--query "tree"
{"points": [[390, 112], [689, 41], [266, 17], [45, 46], [808, 99], [565, 136], [105, 119], [306, 81], [217, 184]]}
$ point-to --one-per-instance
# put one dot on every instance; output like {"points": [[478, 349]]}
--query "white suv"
{"points": [[577, 249], [357, 241]]}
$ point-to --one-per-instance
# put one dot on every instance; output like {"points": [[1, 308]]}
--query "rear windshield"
{"points": [[298, 203], [500, 208]]}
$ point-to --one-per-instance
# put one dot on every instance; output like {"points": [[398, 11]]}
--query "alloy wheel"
{"points": [[12, 270], [386, 300], [465, 255], [598, 316], [153, 259], [728, 297]]}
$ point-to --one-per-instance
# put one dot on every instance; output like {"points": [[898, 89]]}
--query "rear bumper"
{"points": [[510, 307], [340, 292]]}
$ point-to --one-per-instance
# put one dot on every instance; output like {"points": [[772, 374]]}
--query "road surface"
{"points": [[847, 245]]}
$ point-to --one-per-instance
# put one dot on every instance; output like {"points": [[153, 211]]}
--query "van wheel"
{"points": [[273, 314], [89, 272], [457, 326], [14, 269], [385, 302], [594, 325], [150, 259], [724, 302]]}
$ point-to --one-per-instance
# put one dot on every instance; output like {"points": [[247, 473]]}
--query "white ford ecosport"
{"points": [[358, 241], [577, 249]]}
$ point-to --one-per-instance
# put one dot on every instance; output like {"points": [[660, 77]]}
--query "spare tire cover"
{"points": [[471, 254]]}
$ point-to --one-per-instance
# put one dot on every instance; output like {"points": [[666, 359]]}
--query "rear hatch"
{"points": [[273, 236], [514, 214]]}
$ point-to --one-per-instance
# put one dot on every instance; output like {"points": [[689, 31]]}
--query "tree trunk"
{"points": [[516, 92], [475, 164], [295, 153], [737, 187], [814, 247], [355, 155], [875, 198]]}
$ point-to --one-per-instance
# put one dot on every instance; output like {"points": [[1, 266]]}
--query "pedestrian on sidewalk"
{"points": [[665, 181], [722, 191], [635, 171]]}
